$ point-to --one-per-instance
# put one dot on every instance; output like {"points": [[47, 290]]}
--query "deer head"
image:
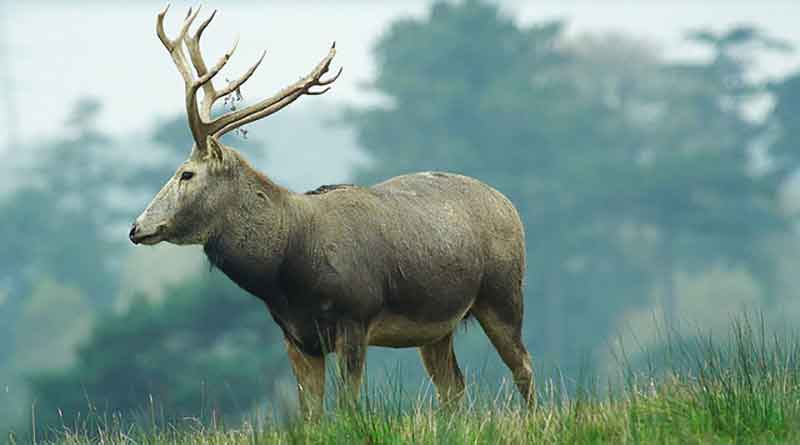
{"points": [[184, 210]]}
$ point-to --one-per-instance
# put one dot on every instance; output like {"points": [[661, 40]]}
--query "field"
{"points": [[741, 389]]}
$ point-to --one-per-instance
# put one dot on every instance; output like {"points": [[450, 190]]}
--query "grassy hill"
{"points": [[743, 389]]}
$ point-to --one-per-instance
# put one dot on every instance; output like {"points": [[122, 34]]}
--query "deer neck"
{"points": [[254, 234]]}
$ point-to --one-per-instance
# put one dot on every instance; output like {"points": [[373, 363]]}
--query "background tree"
{"points": [[689, 183], [206, 347], [784, 152], [701, 188], [621, 178], [54, 225]]}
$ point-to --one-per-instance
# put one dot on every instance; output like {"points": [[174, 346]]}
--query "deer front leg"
{"points": [[309, 371], [351, 353]]}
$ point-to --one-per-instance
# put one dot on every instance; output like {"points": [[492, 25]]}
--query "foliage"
{"points": [[207, 346], [786, 118], [64, 196]]}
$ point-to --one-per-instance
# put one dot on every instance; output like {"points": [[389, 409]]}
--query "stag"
{"points": [[398, 264]]}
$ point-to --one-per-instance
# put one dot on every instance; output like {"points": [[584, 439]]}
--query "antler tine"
{"points": [[210, 93], [204, 25], [196, 124], [160, 28], [261, 113], [230, 121], [233, 86], [187, 22], [200, 122], [332, 79], [205, 79], [318, 93], [193, 45]]}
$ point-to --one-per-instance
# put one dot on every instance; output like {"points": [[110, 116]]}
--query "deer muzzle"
{"points": [[139, 236]]}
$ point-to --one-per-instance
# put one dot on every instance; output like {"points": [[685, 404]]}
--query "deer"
{"points": [[398, 264]]}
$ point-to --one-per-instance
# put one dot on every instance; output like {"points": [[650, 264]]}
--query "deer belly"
{"points": [[398, 331]]}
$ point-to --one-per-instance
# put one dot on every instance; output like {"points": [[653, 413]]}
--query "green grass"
{"points": [[743, 390]]}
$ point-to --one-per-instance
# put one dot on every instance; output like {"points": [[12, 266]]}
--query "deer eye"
{"points": [[185, 176]]}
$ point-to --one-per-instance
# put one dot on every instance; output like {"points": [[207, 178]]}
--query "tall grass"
{"points": [[742, 389]]}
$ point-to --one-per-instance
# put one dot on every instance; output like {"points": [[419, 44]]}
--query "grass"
{"points": [[743, 390]]}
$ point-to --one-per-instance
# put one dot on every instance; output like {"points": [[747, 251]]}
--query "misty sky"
{"points": [[61, 52]]}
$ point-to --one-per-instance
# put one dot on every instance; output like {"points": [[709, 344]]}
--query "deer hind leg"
{"points": [[504, 329], [351, 354], [309, 371], [440, 361]]}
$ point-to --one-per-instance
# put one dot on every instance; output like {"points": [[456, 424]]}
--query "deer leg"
{"points": [[351, 353], [506, 336], [440, 361], [310, 373]]}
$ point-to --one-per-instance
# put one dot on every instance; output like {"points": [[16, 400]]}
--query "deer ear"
{"points": [[213, 149]]}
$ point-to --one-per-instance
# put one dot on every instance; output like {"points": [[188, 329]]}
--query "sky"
{"points": [[62, 51]]}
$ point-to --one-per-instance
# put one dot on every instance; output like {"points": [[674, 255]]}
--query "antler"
{"points": [[200, 121]]}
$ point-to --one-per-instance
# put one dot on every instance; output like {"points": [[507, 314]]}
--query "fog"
{"points": [[59, 52]]}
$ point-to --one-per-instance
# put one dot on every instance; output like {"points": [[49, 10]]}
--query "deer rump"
{"points": [[407, 259]]}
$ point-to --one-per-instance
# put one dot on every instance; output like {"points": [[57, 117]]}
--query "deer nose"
{"points": [[132, 233]]}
